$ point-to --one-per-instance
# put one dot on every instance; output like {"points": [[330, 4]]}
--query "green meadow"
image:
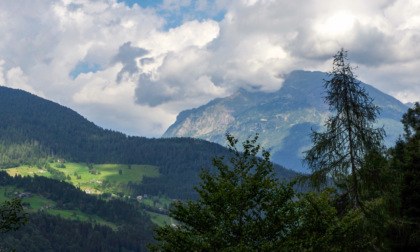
{"points": [[159, 219], [106, 179], [99, 179]]}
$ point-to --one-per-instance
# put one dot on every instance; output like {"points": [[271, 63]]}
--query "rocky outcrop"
{"points": [[283, 118]]}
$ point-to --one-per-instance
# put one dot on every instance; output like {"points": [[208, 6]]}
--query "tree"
{"points": [[411, 122], [339, 152], [238, 207], [244, 207], [404, 199], [12, 216]]}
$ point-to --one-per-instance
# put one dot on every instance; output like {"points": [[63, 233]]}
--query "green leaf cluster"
{"points": [[12, 215], [244, 207]]}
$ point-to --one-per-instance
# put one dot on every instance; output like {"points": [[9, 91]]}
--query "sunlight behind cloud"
{"points": [[337, 25]]}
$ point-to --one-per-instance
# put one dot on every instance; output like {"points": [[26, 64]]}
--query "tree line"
{"points": [[133, 223], [33, 130]]}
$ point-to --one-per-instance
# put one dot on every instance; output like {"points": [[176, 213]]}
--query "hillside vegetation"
{"points": [[62, 216], [33, 130], [93, 178]]}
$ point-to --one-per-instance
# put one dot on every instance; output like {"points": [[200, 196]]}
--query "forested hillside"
{"points": [[45, 232], [34, 129]]}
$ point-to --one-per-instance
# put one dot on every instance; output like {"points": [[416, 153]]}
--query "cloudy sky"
{"points": [[133, 65]]}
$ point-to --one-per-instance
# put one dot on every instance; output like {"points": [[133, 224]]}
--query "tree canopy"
{"points": [[12, 215], [404, 194], [244, 207]]}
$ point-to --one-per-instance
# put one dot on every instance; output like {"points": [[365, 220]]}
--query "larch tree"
{"points": [[339, 152]]}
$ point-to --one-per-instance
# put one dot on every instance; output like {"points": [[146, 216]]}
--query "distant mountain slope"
{"points": [[283, 118], [44, 128]]}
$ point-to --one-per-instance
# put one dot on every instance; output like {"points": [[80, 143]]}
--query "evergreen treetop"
{"points": [[340, 150]]}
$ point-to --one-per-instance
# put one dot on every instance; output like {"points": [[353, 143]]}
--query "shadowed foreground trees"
{"points": [[243, 207], [350, 152], [404, 196], [12, 215]]}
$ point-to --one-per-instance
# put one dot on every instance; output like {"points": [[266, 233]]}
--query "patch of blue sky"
{"points": [[142, 3], [84, 67], [178, 15]]}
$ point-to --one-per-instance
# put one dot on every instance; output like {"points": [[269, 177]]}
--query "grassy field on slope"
{"points": [[101, 178], [106, 180]]}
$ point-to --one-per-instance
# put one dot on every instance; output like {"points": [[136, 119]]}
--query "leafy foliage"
{"points": [[404, 196], [12, 215], [411, 121], [243, 207]]}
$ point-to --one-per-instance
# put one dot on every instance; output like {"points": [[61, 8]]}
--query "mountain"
{"points": [[283, 118], [32, 128]]}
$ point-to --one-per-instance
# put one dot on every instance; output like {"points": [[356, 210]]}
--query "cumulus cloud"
{"points": [[127, 55], [133, 67], [182, 77]]}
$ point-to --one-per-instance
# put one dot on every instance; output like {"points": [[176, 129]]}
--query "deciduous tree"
{"points": [[243, 207], [404, 200], [12, 215]]}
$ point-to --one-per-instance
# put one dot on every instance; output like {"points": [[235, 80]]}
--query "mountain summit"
{"points": [[283, 118]]}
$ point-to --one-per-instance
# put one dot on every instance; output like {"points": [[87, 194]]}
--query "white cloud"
{"points": [[145, 74], [15, 78]]}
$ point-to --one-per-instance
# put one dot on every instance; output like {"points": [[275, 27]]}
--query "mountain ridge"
{"points": [[283, 118], [43, 128]]}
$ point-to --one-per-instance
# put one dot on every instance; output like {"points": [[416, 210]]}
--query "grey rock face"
{"points": [[283, 118]]}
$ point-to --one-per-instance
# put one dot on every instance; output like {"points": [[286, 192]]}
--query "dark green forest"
{"points": [[33, 130], [44, 232]]}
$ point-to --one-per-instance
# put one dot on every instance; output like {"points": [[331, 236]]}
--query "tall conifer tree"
{"points": [[339, 152]]}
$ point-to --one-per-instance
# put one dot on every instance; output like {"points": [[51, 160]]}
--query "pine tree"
{"points": [[339, 152]]}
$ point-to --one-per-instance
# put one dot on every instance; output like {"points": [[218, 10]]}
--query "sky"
{"points": [[133, 65]]}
